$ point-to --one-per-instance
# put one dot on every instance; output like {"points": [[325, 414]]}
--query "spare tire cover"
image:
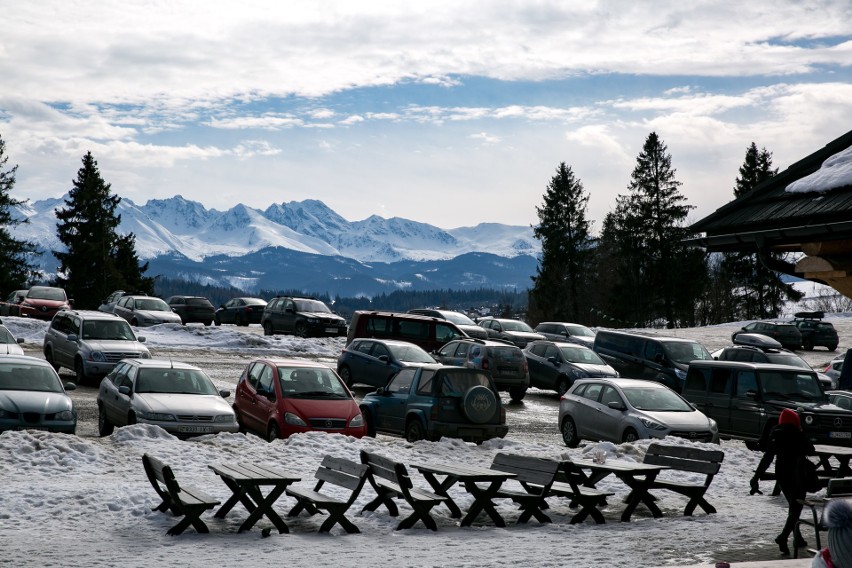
{"points": [[479, 404]]}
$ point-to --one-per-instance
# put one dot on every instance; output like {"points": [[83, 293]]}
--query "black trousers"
{"points": [[794, 509]]}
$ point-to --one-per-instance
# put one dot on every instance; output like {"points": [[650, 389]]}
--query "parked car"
{"points": [[8, 344], [32, 396], [815, 332], [650, 357], [12, 305], [462, 322], [834, 368], [192, 309], [785, 333], [434, 401], [502, 360], [43, 302], [374, 361], [302, 317], [755, 348], [427, 332], [513, 330], [556, 365], [746, 400], [561, 331], [280, 397], [240, 311], [108, 305], [626, 410], [842, 399], [90, 342], [179, 398], [144, 311]]}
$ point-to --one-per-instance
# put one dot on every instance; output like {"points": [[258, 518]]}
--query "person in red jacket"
{"points": [[787, 445]]}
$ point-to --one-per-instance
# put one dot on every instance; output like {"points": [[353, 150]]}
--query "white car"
{"points": [[625, 410], [8, 344]]}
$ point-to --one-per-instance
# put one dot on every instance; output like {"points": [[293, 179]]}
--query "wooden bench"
{"points": [[685, 458], [535, 476], [181, 500], [569, 483], [391, 481], [840, 487], [334, 471]]}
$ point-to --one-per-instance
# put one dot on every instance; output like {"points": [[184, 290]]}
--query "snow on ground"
{"points": [[68, 500]]}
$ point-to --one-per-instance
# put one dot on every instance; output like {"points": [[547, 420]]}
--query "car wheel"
{"points": [[79, 371], [131, 419], [105, 427], [414, 431], [807, 344], [517, 394], [346, 375], [48, 356], [368, 422], [267, 329], [208, 322], [831, 347], [273, 433], [562, 384], [240, 424], [217, 321], [569, 433], [479, 403], [301, 330], [630, 435]]}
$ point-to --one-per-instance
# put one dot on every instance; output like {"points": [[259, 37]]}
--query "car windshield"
{"points": [[6, 336], [456, 383], [655, 400], [198, 302], [254, 301], [57, 294], [311, 382], [791, 385], [23, 377], [582, 356], [174, 381], [787, 359], [580, 330], [311, 306], [685, 352], [151, 305], [108, 330], [410, 354], [515, 325], [457, 318]]}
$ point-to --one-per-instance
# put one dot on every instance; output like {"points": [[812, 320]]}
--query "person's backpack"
{"points": [[806, 475]]}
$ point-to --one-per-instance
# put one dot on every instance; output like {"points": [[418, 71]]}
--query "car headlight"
{"points": [[580, 374], [7, 414], [311, 320], [809, 419], [651, 425], [65, 415], [357, 421], [144, 355], [680, 373], [713, 425], [224, 418], [293, 419], [158, 416], [97, 356]]}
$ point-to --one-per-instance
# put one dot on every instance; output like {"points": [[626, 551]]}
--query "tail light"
{"points": [[486, 364]]}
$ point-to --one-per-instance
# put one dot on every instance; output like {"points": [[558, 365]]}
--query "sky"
{"points": [[450, 113]]}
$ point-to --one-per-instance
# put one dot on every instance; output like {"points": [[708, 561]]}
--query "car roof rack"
{"points": [[809, 315], [756, 340]]}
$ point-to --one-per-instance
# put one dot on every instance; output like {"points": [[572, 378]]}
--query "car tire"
{"points": [[131, 419], [48, 356], [832, 347], [569, 432], [240, 425], [479, 403], [217, 321], [414, 431], [630, 435], [105, 427], [208, 323], [563, 383], [346, 375], [368, 423], [273, 433], [807, 345], [267, 329], [517, 394], [238, 321], [79, 371], [301, 330]]}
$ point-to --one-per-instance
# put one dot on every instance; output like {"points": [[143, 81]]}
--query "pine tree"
{"points": [[97, 260], [757, 291], [657, 275], [565, 251], [16, 266]]}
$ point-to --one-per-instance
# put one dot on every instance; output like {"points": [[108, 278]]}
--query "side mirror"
{"points": [[380, 391], [124, 390], [384, 359], [553, 361], [222, 306], [20, 340], [224, 393], [71, 337], [616, 405], [751, 394], [141, 339], [69, 386]]}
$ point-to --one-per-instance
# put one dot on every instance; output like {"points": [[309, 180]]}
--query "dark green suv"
{"points": [[815, 332], [302, 317]]}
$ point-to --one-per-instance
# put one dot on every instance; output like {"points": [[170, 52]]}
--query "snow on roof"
{"points": [[835, 172]]}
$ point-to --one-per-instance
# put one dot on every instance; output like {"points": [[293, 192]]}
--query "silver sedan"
{"points": [[178, 397], [33, 398]]}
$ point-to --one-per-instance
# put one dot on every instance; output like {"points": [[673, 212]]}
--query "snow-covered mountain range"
{"points": [[176, 231]]}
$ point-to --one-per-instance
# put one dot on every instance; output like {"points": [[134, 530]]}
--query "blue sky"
{"points": [[450, 113]]}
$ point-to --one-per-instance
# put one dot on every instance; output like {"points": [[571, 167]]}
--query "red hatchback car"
{"points": [[280, 397], [42, 302]]}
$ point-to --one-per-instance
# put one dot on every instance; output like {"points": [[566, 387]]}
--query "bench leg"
{"points": [[421, 512], [382, 498], [191, 517], [336, 516], [698, 501], [533, 509], [303, 504], [589, 508]]}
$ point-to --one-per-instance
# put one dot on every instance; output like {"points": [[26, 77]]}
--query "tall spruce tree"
{"points": [[757, 291], [565, 251], [16, 256], [97, 260], [657, 275]]}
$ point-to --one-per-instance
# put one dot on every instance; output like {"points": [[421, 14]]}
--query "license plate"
{"points": [[195, 429], [840, 434], [331, 330]]}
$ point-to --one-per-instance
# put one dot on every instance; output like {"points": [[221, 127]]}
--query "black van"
{"points": [[746, 399], [650, 357], [427, 332]]}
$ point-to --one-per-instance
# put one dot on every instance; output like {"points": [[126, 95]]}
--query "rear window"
{"points": [[456, 383], [507, 354], [198, 302]]}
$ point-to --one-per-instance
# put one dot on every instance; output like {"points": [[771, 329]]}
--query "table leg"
{"points": [[442, 490], [482, 502], [639, 494], [264, 507], [843, 470], [238, 496]]}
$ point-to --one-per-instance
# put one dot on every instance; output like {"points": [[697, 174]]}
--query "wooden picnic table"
{"points": [[468, 476], [637, 476], [245, 481], [842, 454]]}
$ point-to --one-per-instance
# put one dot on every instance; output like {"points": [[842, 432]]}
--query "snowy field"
{"points": [[85, 501]]}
